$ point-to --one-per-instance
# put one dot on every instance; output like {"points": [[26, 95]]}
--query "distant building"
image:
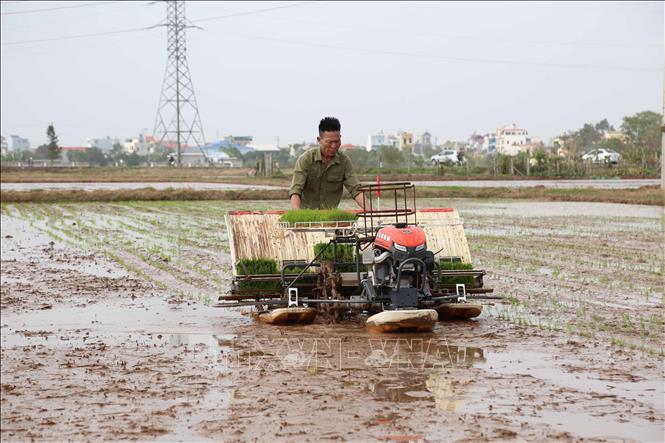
{"points": [[3, 144], [400, 139], [615, 135], [475, 143], [393, 140], [298, 148], [137, 145], [105, 144], [265, 150], [511, 140], [242, 140], [426, 140], [489, 144], [220, 158], [405, 140], [559, 145], [19, 143], [422, 143], [374, 141], [192, 156]]}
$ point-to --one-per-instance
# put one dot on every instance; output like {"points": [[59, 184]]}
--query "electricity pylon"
{"points": [[178, 118]]}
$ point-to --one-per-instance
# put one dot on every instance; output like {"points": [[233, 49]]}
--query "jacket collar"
{"points": [[318, 157]]}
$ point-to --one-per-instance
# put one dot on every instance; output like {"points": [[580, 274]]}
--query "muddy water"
{"points": [[91, 351], [469, 380]]}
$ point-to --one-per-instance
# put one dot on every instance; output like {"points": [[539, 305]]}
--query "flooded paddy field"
{"points": [[108, 333]]}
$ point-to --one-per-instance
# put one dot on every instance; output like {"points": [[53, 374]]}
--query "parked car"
{"points": [[446, 156], [602, 155]]}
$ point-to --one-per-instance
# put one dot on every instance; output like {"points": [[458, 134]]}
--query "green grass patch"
{"points": [[317, 215]]}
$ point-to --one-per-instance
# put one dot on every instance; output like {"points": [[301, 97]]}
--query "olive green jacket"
{"points": [[319, 186]]}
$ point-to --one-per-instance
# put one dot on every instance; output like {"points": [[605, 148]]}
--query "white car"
{"points": [[602, 155], [445, 156]]}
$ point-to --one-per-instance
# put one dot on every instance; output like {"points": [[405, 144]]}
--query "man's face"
{"points": [[330, 143]]}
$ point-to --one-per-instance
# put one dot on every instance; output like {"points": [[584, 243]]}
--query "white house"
{"points": [[374, 141], [511, 140], [267, 150], [19, 143], [137, 145], [105, 144]]}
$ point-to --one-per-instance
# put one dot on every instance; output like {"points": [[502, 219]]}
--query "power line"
{"points": [[122, 7], [440, 57], [97, 34], [460, 37], [21, 52], [71, 37], [375, 51], [237, 14], [55, 9]]}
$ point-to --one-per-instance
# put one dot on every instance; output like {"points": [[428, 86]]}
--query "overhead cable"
{"points": [[441, 57], [30, 11]]}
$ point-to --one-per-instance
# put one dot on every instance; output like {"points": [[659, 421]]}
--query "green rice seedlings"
{"points": [[257, 266], [340, 253], [317, 215]]}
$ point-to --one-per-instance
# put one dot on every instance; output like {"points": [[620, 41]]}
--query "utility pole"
{"points": [[178, 113]]}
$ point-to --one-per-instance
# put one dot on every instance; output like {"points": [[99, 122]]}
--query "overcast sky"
{"points": [[445, 67]]}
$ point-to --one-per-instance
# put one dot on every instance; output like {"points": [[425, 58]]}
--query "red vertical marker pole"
{"points": [[378, 192]]}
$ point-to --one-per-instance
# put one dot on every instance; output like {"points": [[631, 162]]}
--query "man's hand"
{"points": [[360, 199], [295, 201]]}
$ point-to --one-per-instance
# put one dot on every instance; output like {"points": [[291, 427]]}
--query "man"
{"points": [[320, 174]]}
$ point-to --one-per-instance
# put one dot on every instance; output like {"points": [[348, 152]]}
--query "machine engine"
{"points": [[400, 265]]}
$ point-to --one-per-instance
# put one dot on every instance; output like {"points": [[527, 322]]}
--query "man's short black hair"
{"points": [[329, 124]]}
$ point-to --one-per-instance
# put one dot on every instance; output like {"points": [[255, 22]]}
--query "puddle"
{"points": [[437, 385], [396, 391], [542, 366], [24, 243], [598, 428], [466, 393], [143, 320], [215, 404]]}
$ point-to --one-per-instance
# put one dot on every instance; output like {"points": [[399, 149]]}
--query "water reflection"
{"points": [[439, 385], [446, 390]]}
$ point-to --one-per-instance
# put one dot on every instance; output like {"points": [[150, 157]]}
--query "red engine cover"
{"points": [[411, 236]]}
